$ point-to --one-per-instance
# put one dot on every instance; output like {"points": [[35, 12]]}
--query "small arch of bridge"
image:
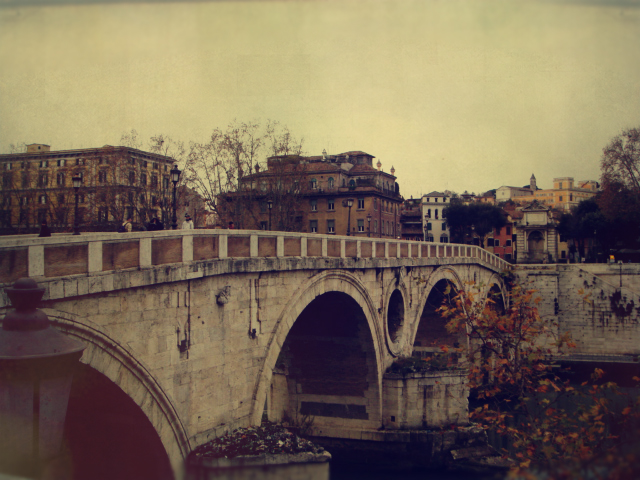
{"points": [[123, 376], [349, 310]]}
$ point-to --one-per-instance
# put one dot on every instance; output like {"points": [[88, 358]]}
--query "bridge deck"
{"points": [[95, 254]]}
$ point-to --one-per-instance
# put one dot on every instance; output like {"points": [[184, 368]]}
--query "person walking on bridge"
{"points": [[188, 223]]}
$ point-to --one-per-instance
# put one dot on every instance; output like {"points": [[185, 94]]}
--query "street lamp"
{"points": [[77, 183], [368, 225], [175, 178], [348, 203], [270, 206], [36, 368], [620, 265]]}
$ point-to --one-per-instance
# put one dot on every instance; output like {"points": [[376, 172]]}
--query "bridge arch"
{"points": [[395, 313], [495, 291], [428, 328], [319, 295], [112, 365]]}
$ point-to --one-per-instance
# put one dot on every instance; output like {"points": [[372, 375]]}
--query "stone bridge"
{"points": [[191, 334]]}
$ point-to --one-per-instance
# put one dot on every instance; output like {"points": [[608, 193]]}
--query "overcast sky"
{"points": [[459, 95]]}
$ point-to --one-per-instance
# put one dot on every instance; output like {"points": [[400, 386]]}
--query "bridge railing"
{"points": [[62, 255]]}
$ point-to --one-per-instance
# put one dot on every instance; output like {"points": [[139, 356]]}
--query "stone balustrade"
{"points": [[89, 253]]}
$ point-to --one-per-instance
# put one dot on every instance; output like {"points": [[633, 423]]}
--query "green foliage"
{"points": [[479, 218], [551, 425]]}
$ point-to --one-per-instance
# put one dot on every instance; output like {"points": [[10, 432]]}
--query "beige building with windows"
{"points": [[117, 182], [565, 193], [433, 218]]}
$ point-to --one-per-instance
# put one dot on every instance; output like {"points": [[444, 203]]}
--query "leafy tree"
{"points": [[620, 197], [475, 218], [587, 221], [565, 430], [621, 160]]}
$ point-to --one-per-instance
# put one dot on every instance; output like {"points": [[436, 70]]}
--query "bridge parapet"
{"points": [[95, 254]]}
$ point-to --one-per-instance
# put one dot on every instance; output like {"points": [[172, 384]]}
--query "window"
{"points": [[102, 197], [154, 181], [263, 207], [444, 226], [130, 197], [60, 179], [429, 226], [6, 180], [165, 183], [263, 225], [25, 180], [144, 163], [375, 204], [314, 205], [436, 212], [102, 214], [428, 213], [81, 198], [352, 184], [560, 198], [79, 161], [435, 200], [375, 226], [361, 225], [361, 203], [313, 226], [7, 166], [132, 161], [508, 230], [331, 226], [314, 183], [507, 243], [444, 239], [571, 197], [155, 166], [560, 186], [60, 199], [496, 242], [132, 177], [24, 201], [143, 179], [490, 242], [43, 199], [43, 164], [102, 176], [43, 180], [331, 204], [330, 182]]}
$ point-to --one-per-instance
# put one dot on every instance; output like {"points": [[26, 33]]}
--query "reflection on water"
{"points": [[343, 472]]}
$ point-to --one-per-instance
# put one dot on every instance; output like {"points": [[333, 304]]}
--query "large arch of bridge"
{"points": [[440, 275], [114, 362], [326, 282]]}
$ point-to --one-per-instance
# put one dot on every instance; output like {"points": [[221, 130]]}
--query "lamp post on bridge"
{"points": [[348, 203], [368, 225], [175, 178], [270, 206], [77, 183]]}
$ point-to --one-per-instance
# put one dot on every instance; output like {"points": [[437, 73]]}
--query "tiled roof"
{"points": [[355, 153], [435, 194], [363, 168]]}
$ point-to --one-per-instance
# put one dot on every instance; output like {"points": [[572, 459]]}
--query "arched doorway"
{"points": [[326, 371], [107, 435], [535, 246]]}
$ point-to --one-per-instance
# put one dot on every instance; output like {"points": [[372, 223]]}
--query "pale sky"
{"points": [[455, 94]]}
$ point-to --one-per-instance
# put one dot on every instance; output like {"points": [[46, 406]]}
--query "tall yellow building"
{"points": [[117, 182]]}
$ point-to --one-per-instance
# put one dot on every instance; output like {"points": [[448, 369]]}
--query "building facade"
{"points": [[411, 223], [339, 194], [117, 183], [565, 194], [434, 221]]}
